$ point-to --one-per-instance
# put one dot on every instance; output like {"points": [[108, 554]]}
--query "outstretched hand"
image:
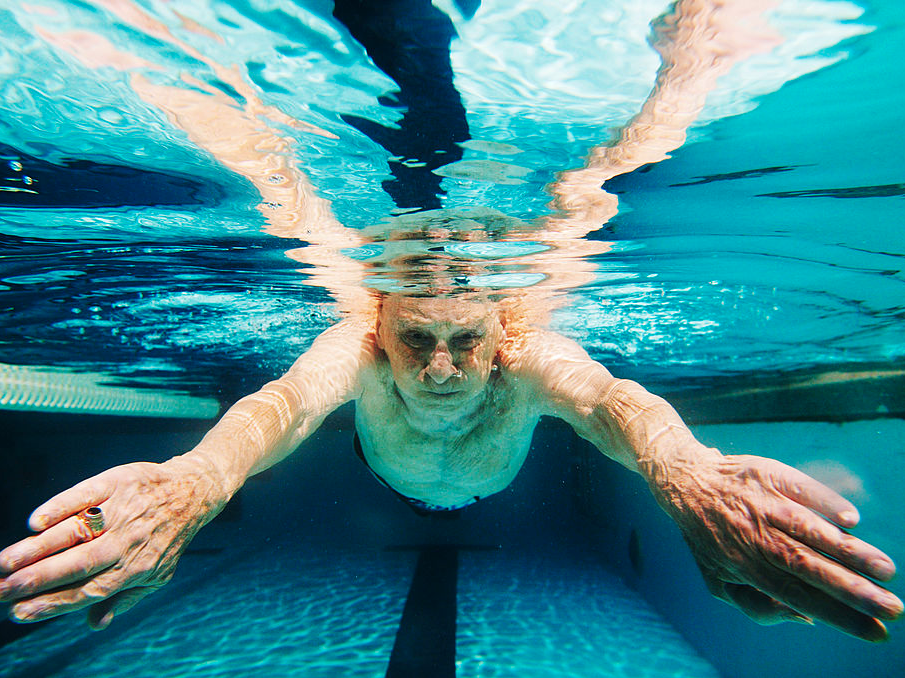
{"points": [[151, 513], [771, 541]]}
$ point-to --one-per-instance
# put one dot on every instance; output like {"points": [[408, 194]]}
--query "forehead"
{"points": [[408, 311]]}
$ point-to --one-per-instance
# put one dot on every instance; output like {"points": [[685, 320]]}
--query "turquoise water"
{"points": [[768, 242], [326, 612], [768, 246]]}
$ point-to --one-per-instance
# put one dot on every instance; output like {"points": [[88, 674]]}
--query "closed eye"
{"points": [[417, 339], [467, 340]]}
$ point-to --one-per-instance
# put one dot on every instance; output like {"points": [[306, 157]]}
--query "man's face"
{"points": [[441, 351]]}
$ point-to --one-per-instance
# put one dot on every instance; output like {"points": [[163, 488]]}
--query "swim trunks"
{"points": [[422, 508]]}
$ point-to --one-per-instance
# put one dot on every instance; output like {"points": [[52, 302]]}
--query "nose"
{"points": [[440, 367]]}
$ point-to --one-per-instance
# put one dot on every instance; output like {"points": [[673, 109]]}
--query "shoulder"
{"points": [[533, 351], [338, 357], [558, 371]]}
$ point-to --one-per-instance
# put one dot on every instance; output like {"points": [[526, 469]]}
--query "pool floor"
{"points": [[296, 609]]}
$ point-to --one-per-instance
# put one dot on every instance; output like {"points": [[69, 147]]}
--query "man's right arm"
{"points": [[263, 428], [152, 511]]}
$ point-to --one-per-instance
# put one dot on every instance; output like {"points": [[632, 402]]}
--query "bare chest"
{"points": [[440, 462]]}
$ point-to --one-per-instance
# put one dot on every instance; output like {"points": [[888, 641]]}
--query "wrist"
{"points": [[213, 486], [676, 466]]}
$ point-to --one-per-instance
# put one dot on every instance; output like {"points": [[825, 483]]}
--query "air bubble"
{"points": [[27, 180], [15, 165]]}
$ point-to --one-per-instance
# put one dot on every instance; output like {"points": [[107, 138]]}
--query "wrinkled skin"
{"points": [[771, 541], [152, 511]]}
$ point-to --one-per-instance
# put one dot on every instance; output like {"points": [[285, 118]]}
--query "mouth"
{"points": [[441, 394]]}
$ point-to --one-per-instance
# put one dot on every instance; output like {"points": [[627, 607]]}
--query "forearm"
{"points": [[263, 428], [648, 436], [258, 431]]}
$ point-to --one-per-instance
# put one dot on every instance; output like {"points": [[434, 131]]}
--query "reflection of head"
{"points": [[448, 252], [442, 350]]}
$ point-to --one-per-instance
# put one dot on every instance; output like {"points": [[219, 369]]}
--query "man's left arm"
{"points": [[768, 539]]}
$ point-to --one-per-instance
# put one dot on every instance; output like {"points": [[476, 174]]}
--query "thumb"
{"points": [[101, 614]]}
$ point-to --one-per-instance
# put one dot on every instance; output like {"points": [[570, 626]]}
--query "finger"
{"points": [[63, 535], [759, 606], [72, 565], [815, 495], [822, 536], [87, 493], [101, 614], [831, 577], [68, 599], [819, 606]]}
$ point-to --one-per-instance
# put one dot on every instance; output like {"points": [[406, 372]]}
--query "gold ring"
{"points": [[93, 517]]}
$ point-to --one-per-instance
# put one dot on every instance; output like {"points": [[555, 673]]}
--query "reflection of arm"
{"points": [[698, 41], [241, 139], [263, 428], [237, 132], [240, 133]]}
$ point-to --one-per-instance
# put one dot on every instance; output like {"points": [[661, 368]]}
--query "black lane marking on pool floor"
{"points": [[425, 644]]}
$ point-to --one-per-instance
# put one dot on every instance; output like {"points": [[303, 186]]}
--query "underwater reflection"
{"points": [[442, 347]]}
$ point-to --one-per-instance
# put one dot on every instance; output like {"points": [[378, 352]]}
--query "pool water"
{"points": [[769, 241], [300, 611], [754, 277]]}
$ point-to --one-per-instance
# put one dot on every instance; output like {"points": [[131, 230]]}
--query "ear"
{"points": [[377, 335], [378, 325]]}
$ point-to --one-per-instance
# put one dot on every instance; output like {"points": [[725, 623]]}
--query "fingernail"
{"points": [[891, 604], [798, 618], [849, 517], [22, 613], [876, 633], [884, 569]]}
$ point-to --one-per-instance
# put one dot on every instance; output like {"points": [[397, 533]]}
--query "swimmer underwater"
{"points": [[447, 398], [448, 392]]}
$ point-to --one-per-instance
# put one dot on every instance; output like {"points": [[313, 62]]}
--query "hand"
{"points": [[754, 526], [151, 513]]}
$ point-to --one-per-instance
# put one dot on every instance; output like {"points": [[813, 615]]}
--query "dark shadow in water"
{"points": [[426, 640], [10, 631], [731, 176], [884, 191], [27, 181], [409, 41], [468, 7], [52, 663]]}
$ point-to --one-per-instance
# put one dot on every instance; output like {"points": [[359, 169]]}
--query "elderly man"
{"points": [[448, 392], [448, 389]]}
